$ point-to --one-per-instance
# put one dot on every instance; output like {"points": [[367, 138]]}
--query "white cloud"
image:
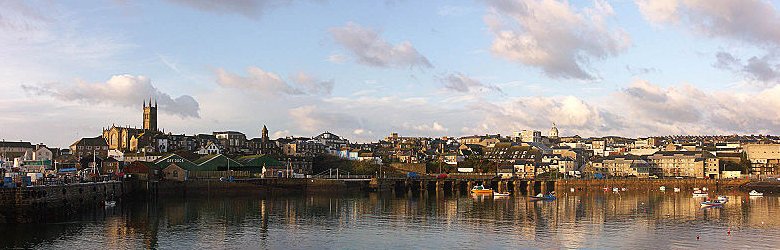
{"points": [[248, 8], [461, 83], [120, 90], [368, 48], [271, 84], [435, 127], [554, 36], [753, 21]]}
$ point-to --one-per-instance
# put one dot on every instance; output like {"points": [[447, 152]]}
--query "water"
{"points": [[642, 220]]}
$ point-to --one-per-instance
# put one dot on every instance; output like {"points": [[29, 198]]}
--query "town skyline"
{"points": [[365, 70]]}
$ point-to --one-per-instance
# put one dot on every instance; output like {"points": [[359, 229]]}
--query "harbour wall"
{"points": [[651, 184], [41, 203]]}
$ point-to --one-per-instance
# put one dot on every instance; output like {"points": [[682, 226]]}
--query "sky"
{"points": [[364, 69]]}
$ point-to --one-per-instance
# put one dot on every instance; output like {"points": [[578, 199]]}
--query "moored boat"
{"points": [[542, 197], [479, 189], [755, 193], [662, 188], [715, 203], [676, 190], [699, 193], [504, 194]]}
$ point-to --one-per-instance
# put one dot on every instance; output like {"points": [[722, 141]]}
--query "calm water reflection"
{"points": [[575, 220]]}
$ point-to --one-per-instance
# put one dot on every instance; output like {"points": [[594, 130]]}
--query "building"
{"points": [[531, 136], [698, 164], [232, 141], [121, 138], [624, 166], [331, 140], [89, 146], [764, 159], [553, 132]]}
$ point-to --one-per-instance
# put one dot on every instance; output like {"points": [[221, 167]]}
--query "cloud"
{"points": [[120, 90], [434, 127], [763, 70], [270, 84], [554, 36], [753, 21], [313, 85], [464, 84], [368, 48], [310, 118], [247, 8]]}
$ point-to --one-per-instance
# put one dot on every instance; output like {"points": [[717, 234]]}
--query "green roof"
{"points": [[259, 161], [217, 162], [169, 159]]}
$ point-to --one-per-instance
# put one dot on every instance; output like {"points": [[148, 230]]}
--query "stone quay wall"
{"points": [[37, 203], [650, 184]]}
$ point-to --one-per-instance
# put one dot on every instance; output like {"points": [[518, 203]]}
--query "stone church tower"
{"points": [[150, 116]]}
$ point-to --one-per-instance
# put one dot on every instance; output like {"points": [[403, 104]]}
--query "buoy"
{"points": [[697, 237], [729, 232]]}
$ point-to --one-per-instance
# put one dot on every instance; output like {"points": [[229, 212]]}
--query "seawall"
{"points": [[650, 184], [246, 187], [41, 203]]}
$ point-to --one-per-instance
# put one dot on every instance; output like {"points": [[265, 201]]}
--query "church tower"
{"points": [[554, 132], [150, 116], [265, 135]]}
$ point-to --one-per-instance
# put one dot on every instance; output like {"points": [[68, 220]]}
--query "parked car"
{"points": [[412, 175], [442, 176]]}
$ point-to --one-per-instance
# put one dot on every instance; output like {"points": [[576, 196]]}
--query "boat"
{"points": [[699, 193], [755, 193], [676, 190], [704, 188], [504, 194], [540, 197], [110, 203], [615, 190], [662, 188], [715, 203], [723, 198], [623, 189], [479, 189]]}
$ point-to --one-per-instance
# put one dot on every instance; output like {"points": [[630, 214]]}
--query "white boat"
{"points": [[110, 203], [504, 194], [755, 193], [699, 193], [723, 199], [623, 189], [615, 190], [704, 189], [662, 188], [676, 190]]}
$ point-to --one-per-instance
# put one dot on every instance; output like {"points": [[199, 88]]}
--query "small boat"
{"points": [[676, 190], [704, 189], [699, 193], [571, 190], [479, 189], [662, 188], [541, 197], [623, 189], [504, 194], [723, 198], [715, 203], [615, 190], [109, 203], [755, 193], [606, 189]]}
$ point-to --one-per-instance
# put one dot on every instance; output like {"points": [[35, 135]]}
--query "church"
{"points": [[127, 139]]}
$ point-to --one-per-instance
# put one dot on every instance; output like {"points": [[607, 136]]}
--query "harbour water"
{"points": [[633, 220]]}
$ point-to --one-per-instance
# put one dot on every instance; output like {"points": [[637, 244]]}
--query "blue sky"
{"points": [[363, 69]]}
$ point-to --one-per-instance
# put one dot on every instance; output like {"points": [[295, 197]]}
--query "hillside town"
{"points": [[151, 153]]}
